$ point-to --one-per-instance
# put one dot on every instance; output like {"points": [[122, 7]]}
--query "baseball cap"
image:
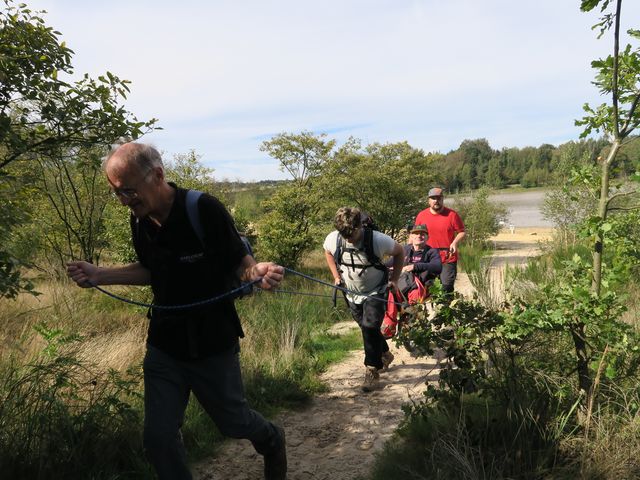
{"points": [[435, 192], [419, 228]]}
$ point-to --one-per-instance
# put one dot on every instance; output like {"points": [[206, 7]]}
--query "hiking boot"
{"points": [[387, 358], [371, 379], [275, 462]]}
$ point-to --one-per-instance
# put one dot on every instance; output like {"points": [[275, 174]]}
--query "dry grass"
{"points": [[111, 336]]}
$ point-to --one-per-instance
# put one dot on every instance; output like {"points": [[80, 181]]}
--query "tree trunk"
{"points": [[602, 214], [582, 358]]}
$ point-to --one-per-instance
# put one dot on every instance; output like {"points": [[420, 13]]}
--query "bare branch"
{"points": [[632, 208], [625, 128], [616, 53], [623, 194]]}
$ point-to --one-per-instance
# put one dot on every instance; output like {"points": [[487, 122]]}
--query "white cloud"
{"points": [[221, 75]]}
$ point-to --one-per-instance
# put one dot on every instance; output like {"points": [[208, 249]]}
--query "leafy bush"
{"points": [[481, 216]]}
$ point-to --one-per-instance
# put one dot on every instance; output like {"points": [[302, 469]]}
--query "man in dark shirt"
{"points": [[194, 349]]}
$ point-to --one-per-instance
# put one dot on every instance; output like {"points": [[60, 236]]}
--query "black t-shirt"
{"points": [[184, 271]]}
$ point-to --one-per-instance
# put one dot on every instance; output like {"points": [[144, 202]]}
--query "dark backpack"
{"points": [[367, 248], [194, 218]]}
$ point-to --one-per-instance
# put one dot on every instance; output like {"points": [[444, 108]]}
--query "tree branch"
{"points": [[625, 128], [614, 85], [618, 195], [632, 208]]}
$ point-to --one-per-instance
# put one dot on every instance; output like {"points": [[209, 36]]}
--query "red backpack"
{"points": [[395, 302]]}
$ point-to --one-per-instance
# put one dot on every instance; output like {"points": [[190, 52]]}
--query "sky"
{"points": [[224, 76]]}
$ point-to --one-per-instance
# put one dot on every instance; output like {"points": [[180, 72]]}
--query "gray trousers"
{"points": [[216, 382], [448, 276]]}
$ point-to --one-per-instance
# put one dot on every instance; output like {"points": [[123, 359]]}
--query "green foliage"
{"points": [[302, 155], [12, 215], [70, 213], [482, 217], [624, 115], [62, 418], [38, 110], [187, 171], [459, 328], [535, 177], [571, 204], [285, 231], [387, 181], [11, 283], [618, 75], [481, 440], [44, 116], [569, 305], [289, 228], [118, 233]]}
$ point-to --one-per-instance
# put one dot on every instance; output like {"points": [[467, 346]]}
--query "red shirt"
{"points": [[442, 228]]}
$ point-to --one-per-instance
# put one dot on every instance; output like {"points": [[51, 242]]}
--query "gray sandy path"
{"points": [[336, 436]]}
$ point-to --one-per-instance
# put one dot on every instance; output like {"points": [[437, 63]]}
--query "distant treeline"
{"points": [[475, 164]]}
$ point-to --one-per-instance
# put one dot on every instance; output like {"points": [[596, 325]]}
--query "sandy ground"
{"points": [[337, 436], [511, 249]]}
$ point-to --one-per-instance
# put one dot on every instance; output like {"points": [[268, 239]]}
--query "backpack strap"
{"points": [[337, 254], [194, 214], [368, 246], [371, 255]]}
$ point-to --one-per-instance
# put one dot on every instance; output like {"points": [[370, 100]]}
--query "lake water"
{"points": [[524, 207]]}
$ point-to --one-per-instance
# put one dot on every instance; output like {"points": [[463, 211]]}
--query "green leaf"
{"points": [[588, 5]]}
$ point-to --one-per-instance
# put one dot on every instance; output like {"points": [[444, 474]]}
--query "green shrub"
{"points": [[481, 216], [60, 417]]}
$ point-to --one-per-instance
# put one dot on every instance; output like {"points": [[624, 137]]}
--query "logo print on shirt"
{"points": [[192, 258]]}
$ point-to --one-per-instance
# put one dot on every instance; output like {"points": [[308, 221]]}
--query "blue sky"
{"points": [[223, 76]]}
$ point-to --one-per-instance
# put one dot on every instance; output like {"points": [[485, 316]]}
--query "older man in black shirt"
{"points": [[194, 349]]}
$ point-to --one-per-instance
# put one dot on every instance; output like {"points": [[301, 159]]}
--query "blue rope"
{"points": [[342, 289], [177, 307], [242, 287]]}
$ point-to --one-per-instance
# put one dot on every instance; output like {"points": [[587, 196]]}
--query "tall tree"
{"points": [[43, 113], [618, 75], [388, 181], [286, 231], [73, 199]]}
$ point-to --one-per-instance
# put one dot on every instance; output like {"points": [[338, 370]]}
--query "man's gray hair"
{"points": [[347, 220], [142, 156]]}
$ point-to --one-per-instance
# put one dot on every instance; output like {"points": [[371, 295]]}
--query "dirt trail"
{"points": [[336, 437]]}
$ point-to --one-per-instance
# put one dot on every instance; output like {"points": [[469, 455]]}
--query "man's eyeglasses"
{"points": [[128, 193]]}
